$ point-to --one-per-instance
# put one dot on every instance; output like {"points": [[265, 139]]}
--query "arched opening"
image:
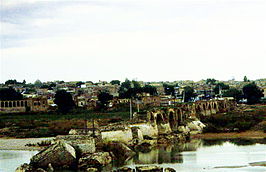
{"points": [[22, 103], [6, 104], [2, 104], [14, 104], [159, 119], [198, 108], [151, 118], [209, 107], [179, 116], [10, 104], [204, 107]]}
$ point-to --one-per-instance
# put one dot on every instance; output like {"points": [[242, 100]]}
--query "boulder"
{"points": [[92, 170], [143, 147], [59, 155], [120, 150], [24, 168], [183, 129], [39, 170], [124, 169], [169, 170], [82, 144], [95, 160], [50, 168], [149, 169], [196, 126]]}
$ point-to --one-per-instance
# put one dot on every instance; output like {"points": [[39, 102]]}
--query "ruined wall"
{"points": [[169, 119]]}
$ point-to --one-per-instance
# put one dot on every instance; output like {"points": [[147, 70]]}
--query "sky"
{"points": [[145, 40]]}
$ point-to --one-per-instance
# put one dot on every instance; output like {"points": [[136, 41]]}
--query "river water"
{"points": [[197, 155]]}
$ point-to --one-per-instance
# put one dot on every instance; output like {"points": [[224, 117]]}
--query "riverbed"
{"points": [[196, 155]]}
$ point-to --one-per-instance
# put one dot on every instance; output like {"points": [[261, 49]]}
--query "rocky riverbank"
{"points": [[88, 150]]}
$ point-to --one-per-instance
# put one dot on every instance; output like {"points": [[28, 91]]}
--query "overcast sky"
{"points": [[148, 40]]}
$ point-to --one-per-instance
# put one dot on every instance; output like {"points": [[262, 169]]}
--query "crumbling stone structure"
{"points": [[169, 119]]}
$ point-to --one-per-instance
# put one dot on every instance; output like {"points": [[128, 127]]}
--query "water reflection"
{"points": [[202, 155]]}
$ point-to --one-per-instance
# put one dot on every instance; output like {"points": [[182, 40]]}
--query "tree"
{"points": [[104, 99], [149, 89], [38, 83], [64, 101], [233, 92], [252, 93], [211, 81], [189, 94], [169, 89], [246, 79], [136, 84], [124, 90], [220, 86], [78, 84], [11, 82], [10, 94], [113, 82]]}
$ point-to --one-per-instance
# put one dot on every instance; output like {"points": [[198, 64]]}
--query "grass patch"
{"points": [[233, 121], [28, 125]]}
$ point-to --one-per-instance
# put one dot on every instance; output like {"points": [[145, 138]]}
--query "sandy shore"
{"points": [[19, 144], [247, 134]]}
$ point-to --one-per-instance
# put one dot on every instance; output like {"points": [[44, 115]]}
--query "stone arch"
{"points": [[6, 104], [14, 104], [172, 120], [2, 104], [22, 103], [10, 104]]}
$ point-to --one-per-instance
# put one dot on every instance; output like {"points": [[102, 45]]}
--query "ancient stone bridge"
{"points": [[170, 118]]}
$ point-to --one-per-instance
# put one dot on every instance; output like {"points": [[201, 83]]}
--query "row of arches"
{"points": [[11, 104]]}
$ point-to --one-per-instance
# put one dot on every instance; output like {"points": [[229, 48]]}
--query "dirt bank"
{"points": [[247, 134]]}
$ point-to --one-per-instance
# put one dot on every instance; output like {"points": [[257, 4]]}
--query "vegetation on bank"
{"points": [[28, 125], [253, 118]]}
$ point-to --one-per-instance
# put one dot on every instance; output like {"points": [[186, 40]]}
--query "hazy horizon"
{"points": [[145, 40]]}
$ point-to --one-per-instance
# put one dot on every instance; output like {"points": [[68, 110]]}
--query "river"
{"points": [[197, 155]]}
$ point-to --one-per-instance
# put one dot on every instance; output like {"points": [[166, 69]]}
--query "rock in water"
{"points": [[95, 160], [120, 150], [124, 169], [169, 170], [24, 168], [60, 155], [149, 169], [92, 170]]}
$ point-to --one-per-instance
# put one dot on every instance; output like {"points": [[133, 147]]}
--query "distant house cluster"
{"points": [[40, 97]]}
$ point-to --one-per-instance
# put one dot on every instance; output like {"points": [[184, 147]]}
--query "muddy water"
{"points": [[197, 155]]}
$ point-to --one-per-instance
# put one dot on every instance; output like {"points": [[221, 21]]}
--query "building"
{"points": [[39, 104]]}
